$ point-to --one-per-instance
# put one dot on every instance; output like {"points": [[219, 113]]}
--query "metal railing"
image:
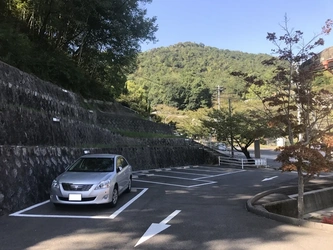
{"points": [[242, 162]]}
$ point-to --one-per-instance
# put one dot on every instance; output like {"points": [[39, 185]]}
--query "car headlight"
{"points": [[55, 184], [103, 184]]}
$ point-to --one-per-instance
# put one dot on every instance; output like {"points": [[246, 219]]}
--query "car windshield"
{"points": [[93, 165]]}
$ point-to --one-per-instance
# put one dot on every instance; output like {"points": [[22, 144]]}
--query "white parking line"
{"points": [[202, 176], [162, 183], [112, 216], [190, 173], [219, 175], [175, 177], [208, 170], [178, 185], [202, 184], [29, 208]]}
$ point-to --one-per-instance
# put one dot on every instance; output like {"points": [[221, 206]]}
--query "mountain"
{"points": [[187, 75]]}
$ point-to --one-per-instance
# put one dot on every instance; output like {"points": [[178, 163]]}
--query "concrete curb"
{"points": [[261, 211]]}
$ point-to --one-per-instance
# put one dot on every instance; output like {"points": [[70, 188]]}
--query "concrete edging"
{"points": [[261, 211]]}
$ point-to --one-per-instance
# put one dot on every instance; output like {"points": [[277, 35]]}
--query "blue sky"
{"points": [[240, 25]]}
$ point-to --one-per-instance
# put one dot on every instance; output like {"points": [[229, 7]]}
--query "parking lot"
{"points": [[189, 207], [155, 180], [181, 177], [184, 177]]}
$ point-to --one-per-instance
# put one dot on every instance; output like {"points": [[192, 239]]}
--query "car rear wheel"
{"points": [[129, 187], [114, 198]]}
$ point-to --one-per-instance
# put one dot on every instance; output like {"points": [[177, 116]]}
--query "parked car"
{"points": [[93, 179]]}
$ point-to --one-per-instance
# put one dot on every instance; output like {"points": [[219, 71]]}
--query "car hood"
{"points": [[84, 177]]}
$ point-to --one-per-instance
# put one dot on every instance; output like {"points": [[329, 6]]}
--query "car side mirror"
{"points": [[119, 169]]}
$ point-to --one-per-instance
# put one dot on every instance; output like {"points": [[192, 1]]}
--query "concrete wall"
{"points": [[313, 201]]}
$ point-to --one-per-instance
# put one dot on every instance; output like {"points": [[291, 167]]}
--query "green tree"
{"points": [[136, 98], [191, 125], [243, 128], [87, 46], [192, 72]]}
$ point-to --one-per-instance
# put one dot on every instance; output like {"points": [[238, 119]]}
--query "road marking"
{"points": [[157, 228], [112, 216], [204, 176], [29, 208], [163, 183], [269, 179], [115, 214], [189, 173], [175, 177], [208, 170], [216, 175], [202, 184]]}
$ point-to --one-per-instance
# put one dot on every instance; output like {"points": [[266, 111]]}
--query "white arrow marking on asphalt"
{"points": [[157, 228], [268, 179]]}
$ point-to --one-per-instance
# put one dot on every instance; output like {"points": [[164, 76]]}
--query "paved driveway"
{"points": [[192, 207]]}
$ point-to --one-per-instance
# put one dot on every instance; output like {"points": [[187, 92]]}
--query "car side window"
{"points": [[119, 163], [124, 164]]}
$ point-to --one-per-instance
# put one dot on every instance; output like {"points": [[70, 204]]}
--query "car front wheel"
{"points": [[114, 198]]}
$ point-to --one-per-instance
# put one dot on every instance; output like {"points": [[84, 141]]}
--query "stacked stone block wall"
{"points": [[44, 128], [26, 173]]}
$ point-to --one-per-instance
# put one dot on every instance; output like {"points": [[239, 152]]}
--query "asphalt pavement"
{"points": [[190, 207]]}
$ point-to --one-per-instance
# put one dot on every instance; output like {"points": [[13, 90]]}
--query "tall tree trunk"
{"points": [[300, 200], [246, 152], [247, 155]]}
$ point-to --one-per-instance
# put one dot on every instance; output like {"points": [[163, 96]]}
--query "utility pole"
{"points": [[231, 132], [219, 90]]}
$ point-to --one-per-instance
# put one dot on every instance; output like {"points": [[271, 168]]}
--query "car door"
{"points": [[122, 179]]}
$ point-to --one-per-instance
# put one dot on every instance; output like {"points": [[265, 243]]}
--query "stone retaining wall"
{"points": [[35, 112], [44, 128], [26, 173]]}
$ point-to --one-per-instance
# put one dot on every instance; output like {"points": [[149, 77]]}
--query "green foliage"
{"points": [[86, 46], [135, 98], [186, 75], [191, 124], [323, 81], [13, 46], [242, 127]]}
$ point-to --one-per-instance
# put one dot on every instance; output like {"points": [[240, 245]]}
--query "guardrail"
{"points": [[241, 162]]}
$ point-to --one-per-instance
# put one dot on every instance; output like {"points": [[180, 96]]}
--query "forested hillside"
{"points": [[187, 75], [85, 46]]}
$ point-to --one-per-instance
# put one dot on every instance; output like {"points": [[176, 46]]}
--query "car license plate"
{"points": [[75, 197]]}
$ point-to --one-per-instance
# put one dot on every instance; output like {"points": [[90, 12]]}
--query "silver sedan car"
{"points": [[93, 179]]}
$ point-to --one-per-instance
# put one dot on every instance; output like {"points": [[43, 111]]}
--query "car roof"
{"points": [[99, 156]]}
